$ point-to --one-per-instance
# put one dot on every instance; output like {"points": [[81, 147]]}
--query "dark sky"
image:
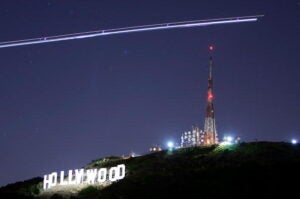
{"points": [[64, 104]]}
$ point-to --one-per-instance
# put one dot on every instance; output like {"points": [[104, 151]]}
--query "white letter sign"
{"points": [[81, 176]]}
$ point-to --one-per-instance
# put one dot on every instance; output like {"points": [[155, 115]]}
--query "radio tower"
{"points": [[210, 130]]}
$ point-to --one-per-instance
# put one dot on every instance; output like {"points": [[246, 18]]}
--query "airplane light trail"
{"points": [[82, 35]]}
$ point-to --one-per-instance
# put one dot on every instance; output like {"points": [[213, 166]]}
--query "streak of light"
{"points": [[83, 35]]}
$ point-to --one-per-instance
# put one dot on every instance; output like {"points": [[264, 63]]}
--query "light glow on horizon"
{"points": [[170, 144], [227, 141], [294, 141]]}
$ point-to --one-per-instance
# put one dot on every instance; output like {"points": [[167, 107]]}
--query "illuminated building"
{"points": [[155, 149], [192, 138]]}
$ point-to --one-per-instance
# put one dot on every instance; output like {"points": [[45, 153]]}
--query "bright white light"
{"points": [[170, 144], [225, 143], [294, 141], [229, 139]]}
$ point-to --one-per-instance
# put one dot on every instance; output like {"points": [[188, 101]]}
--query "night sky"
{"points": [[64, 104]]}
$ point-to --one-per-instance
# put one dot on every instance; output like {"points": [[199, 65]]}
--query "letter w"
{"points": [[91, 176]]}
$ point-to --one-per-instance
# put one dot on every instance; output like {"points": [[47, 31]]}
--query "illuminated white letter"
{"points": [[70, 177], [46, 182], [79, 176], [102, 175], [113, 174], [91, 176], [51, 182], [62, 177], [53, 179], [121, 171]]}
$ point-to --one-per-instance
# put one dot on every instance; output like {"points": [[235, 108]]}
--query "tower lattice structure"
{"points": [[210, 130]]}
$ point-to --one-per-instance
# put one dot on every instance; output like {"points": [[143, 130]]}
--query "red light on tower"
{"points": [[211, 48], [210, 96]]}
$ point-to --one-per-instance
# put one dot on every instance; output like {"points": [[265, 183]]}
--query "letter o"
{"points": [[102, 175], [121, 171], [53, 179], [113, 174]]}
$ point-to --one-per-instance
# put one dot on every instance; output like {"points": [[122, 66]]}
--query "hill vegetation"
{"points": [[246, 170]]}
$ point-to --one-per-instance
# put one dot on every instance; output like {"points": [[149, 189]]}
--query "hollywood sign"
{"points": [[82, 176]]}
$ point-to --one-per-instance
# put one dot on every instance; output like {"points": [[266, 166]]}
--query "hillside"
{"points": [[246, 170]]}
